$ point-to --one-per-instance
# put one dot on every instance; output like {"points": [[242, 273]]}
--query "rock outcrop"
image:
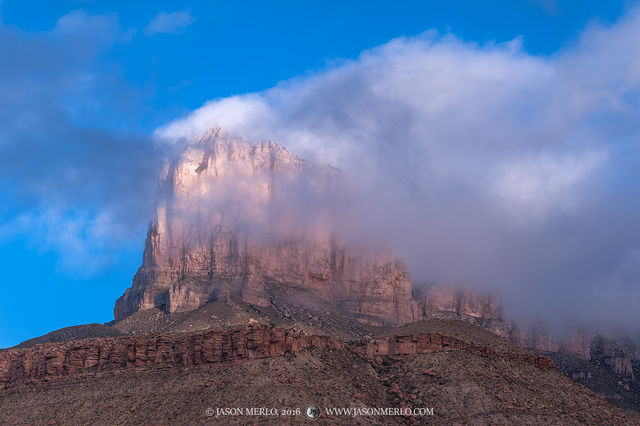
{"points": [[538, 336], [230, 219], [577, 344], [233, 218], [437, 300], [614, 355], [442, 301], [54, 360]]}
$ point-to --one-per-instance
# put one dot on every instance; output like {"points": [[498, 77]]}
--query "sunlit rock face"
{"points": [[234, 216]]}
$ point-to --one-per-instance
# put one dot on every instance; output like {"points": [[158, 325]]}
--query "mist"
{"points": [[479, 165]]}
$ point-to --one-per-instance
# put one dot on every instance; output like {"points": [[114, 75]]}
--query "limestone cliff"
{"points": [[233, 217], [436, 300], [443, 301]]}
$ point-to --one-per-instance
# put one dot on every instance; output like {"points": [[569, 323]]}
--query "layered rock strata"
{"points": [[232, 217], [54, 360]]}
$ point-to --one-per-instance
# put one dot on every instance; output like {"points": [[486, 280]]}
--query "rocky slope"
{"points": [[236, 220], [230, 219], [622, 391], [55, 360], [466, 374], [249, 227]]}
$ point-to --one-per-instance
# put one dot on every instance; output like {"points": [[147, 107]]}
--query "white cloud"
{"points": [[236, 112], [82, 239], [169, 23], [478, 163], [529, 187], [436, 107], [61, 171]]}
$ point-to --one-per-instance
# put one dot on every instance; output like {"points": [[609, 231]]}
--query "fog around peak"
{"points": [[479, 165]]}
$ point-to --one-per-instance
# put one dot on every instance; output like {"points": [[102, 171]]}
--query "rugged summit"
{"points": [[248, 272], [243, 222], [229, 223]]}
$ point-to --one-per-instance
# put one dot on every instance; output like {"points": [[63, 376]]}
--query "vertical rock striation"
{"points": [[233, 216]]}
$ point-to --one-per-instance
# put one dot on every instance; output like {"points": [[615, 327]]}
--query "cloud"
{"points": [[479, 164], [99, 27], [85, 241], [530, 187], [63, 175], [169, 23]]}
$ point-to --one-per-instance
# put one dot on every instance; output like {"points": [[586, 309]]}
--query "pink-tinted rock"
{"points": [[223, 227], [435, 300], [54, 360]]}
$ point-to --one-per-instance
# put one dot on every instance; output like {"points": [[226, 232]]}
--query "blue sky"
{"points": [[105, 75]]}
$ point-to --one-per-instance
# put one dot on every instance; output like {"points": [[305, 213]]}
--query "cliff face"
{"points": [[54, 360], [613, 354], [233, 217], [436, 300], [441, 301], [538, 337]]}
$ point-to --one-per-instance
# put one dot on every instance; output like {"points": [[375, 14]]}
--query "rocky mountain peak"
{"points": [[217, 141], [234, 220], [243, 222], [212, 133]]}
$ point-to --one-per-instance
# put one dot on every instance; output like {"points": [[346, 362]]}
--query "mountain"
{"points": [[461, 371], [230, 221], [250, 223], [244, 222], [251, 281]]}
